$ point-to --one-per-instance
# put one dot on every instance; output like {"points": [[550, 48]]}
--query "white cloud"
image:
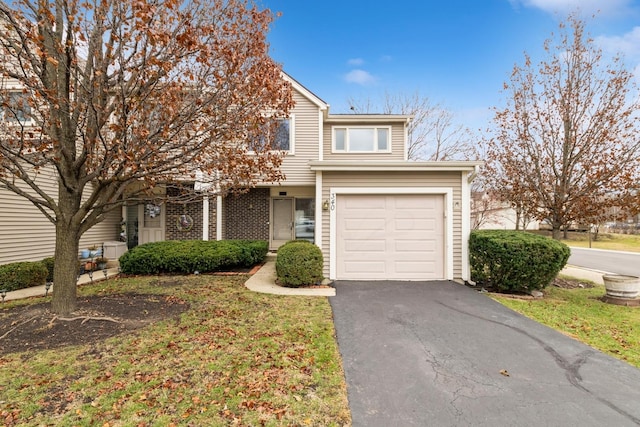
{"points": [[628, 44], [360, 77], [355, 62], [608, 7]]}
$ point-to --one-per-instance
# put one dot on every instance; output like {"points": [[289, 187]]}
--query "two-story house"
{"points": [[350, 189]]}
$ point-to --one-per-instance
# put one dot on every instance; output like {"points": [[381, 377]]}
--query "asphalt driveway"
{"points": [[441, 354]]}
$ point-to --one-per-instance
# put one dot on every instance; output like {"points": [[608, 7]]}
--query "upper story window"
{"points": [[16, 108], [282, 138], [279, 134], [361, 139]]}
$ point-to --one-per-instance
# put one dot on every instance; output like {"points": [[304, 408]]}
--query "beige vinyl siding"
{"points": [[398, 179], [306, 145], [397, 143], [26, 235]]}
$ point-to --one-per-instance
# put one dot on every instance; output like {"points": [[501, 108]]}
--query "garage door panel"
{"points": [[390, 237], [370, 224], [360, 245], [415, 246], [412, 267], [365, 202], [372, 267], [414, 224]]}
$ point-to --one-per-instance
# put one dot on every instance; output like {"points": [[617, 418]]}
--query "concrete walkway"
{"points": [[263, 281], [37, 291], [581, 273]]}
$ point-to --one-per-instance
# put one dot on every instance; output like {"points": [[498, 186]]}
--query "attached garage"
{"points": [[390, 236]]}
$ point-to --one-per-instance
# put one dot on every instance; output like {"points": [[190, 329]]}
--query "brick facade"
{"points": [[246, 216], [174, 211]]}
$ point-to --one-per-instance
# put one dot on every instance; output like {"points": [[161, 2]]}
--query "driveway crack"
{"points": [[571, 369]]}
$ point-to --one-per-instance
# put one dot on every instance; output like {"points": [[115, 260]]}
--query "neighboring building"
{"points": [[488, 213], [349, 188]]}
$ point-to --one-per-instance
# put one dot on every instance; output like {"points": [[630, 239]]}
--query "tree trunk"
{"points": [[555, 232], [65, 272]]}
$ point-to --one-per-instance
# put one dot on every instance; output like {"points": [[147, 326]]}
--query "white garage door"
{"points": [[390, 237]]}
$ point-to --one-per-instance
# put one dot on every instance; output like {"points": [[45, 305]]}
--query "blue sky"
{"points": [[458, 53]]}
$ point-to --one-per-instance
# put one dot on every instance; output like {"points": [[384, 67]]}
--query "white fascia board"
{"points": [[306, 92], [381, 165], [368, 118]]}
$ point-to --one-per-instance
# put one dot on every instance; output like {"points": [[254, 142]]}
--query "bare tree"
{"points": [[118, 98], [432, 134], [565, 147]]}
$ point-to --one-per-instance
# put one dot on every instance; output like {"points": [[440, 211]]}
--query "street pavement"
{"points": [[617, 262]]}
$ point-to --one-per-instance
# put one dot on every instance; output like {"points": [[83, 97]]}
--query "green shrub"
{"points": [[20, 275], [188, 256], [299, 263], [515, 261], [49, 262]]}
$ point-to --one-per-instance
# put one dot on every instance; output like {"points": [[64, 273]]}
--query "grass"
{"points": [[581, 314], [234, 358], [609, 241]]}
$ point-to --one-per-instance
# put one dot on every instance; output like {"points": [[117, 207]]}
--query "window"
{"points": [[282, 138], [16, 107], [361, 139], [282, 135], [305, 219]]}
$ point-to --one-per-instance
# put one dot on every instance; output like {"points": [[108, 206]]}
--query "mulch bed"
{"points": [[557, 282], [34, 327]]}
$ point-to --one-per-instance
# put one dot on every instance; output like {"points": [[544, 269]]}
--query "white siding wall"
{"points": [[398, 179]]}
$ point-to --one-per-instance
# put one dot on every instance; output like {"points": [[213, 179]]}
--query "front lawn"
{"points": [[607, 241], [233, 358], [581, 314]]}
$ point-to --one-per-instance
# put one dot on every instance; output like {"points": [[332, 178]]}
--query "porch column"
{"points": [[219, 217], [205, 218]]}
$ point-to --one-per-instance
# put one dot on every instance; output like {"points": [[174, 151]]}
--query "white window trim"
{"points": [[375, 146], [292, 135], [447, 192]]}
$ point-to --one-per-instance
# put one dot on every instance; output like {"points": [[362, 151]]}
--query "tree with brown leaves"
{"points": [[116, 100], [566, 146]]}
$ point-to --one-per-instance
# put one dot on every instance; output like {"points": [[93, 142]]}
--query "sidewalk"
{"points": [[38, 291], [584, 274]]}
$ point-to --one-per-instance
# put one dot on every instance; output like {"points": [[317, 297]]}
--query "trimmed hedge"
{"points": [[49, 263], [188, 256], [515, 261], [299, 263], [20, 275]]}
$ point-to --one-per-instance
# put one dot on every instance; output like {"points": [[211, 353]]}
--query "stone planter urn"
{"points": [[621, 286]]}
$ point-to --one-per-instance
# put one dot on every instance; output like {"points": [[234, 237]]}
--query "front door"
{"points": [[151, 223], [282, 226]]}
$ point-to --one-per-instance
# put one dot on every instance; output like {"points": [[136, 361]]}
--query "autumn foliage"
{"points": [[116, 100], [565, 148]]}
